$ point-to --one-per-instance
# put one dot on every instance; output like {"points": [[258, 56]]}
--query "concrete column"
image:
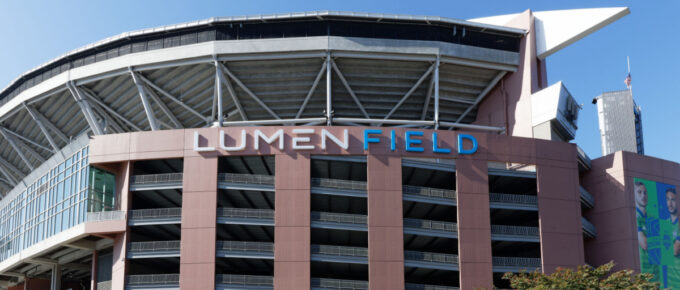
{"points": [[119, 263], [292, 219], [55, 280], [474, 224], [385, 223], [559, 214], [93, 271], [199, 217]]}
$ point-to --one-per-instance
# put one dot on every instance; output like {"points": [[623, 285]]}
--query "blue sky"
{"points": [[33, 32]]}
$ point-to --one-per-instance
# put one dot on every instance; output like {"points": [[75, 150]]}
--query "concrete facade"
{"points": [[557, 179]]}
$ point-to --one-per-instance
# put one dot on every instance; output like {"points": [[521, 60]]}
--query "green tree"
{"points": [[585, 277]]}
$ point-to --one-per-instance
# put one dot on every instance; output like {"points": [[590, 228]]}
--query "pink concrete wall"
{"points": [[610, 181], [509, 104], [559, 206], [292, 240], [474, 224], [199, 222], [385, 223]]}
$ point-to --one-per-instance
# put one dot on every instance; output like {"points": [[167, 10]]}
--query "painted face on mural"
{"points": [[640, 195], [670, 202]]}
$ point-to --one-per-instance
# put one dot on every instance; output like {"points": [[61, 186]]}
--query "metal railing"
{"points": [[155, 246], [588, 228], [514, 230], [339, 251], [245, 280], [246, 178], [155, 213], [339, 218], [413, 286], [249, 213], [586, 197], [516, 262], [430, 225], [339, 183], [105, 285], [583, 157], [339, 284], [429, 192], [153, 279], [260, 247], [156, 178], [513, 198], [105, 216], [431, 257]]}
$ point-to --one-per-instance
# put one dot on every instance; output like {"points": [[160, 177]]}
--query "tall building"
{"points": [[317, 150], [620, 122]]}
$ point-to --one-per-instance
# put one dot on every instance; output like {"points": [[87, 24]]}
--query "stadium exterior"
{"points": [[322, 150]]}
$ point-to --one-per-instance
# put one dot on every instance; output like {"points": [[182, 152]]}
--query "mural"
{"points": [[656, 210]]}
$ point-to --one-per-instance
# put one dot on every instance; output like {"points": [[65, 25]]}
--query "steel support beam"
{"points": [[232, 93], [349, 89], [16, 148], [171, 97], [153, 124], [436, 93], [329, 91], [91, 95], [251, 94], [34, 143], [11, 167], [428, 97], [218, 95], [410, 91], [274, 122], [85, 108], [48, 124], [324, 68], [11, 180], [177, 124], [483, 94], [43, 128]]}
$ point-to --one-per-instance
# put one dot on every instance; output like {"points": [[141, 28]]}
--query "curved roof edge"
{"points": [[264, 18]]}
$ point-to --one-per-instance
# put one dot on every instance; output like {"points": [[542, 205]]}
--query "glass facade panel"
{"points": [[54, 202]]}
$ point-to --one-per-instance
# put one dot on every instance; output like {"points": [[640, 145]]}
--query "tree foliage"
{"points": [[585, 277]]}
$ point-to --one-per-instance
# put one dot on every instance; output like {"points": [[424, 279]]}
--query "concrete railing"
{"points": [[586, 197], [588, 228], [244, 280], [155, 246], [248, 213], [429, 192], [339, 183], [514, 230], [99, 216], [516, 262], [431, 257], [162, 178], [513, 198], [155, 213], [340, 251], [339, 284], [430, 225], [339, 218], [239, 246], [153, 279], [246, 178]]}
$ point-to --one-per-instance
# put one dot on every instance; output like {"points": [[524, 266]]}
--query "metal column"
{"points": [[329, 99]]}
